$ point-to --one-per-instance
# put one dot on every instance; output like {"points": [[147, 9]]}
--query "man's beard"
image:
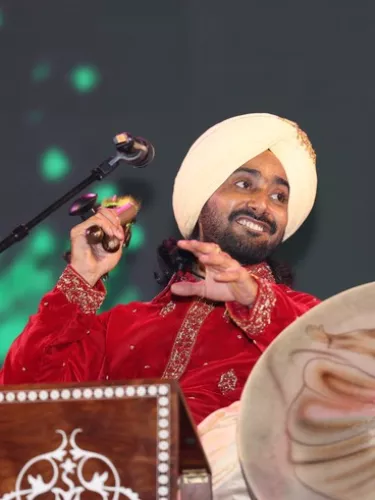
{"points": [[246, 250]]}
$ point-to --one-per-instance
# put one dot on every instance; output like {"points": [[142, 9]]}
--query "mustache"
{"points": [[260, 218]]}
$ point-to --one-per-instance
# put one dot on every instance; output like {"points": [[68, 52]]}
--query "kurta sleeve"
{"points": [[275, 305], [65, 340]]}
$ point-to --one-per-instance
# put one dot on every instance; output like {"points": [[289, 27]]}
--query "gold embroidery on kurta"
{"points": [[167, 308], [78, 292], [260, 315], [186, 338], [226, 316], [262, 271], [227, 382]]}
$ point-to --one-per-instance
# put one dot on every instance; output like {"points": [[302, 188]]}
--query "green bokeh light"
{"points": [[117, 271], [105, 190], [131, 294], [29, 274], [41, 72], [55, 164], [35, 116], [138, 238], [24, 281], [2, 19], [43, 242], [85, 78]]}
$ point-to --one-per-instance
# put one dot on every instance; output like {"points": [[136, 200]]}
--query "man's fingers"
{"points": [[108, 227], [102, 221], [186, 289], [227, 276], [114, 219], [207, 253], [215, 259], [110, 214], [198, 247]]}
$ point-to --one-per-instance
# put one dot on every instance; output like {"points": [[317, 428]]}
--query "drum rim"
{"points": [[243, 416]]}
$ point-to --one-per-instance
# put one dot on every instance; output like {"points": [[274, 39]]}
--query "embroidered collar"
{"points": [[262, 271]]}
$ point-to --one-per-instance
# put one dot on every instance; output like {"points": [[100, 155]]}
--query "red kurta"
{"points": [[209, 347]]}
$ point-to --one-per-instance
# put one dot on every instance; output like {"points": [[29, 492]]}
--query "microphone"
{"points": [[139, 152]]}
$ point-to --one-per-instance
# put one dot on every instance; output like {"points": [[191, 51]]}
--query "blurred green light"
{"points": [[119, 269], [35, 116], [23, 283], [55, 164], [43, 281], [25, 270], [138, 238], [85, 78], [43, 242], [41, 72], [131, 294], [22, 267], [1, 18], [7, 297], [105, 190]]}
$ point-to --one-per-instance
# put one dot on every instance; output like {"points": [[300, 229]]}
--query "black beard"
{"points": [[246, 253]]}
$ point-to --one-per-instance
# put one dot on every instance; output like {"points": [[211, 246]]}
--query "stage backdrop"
{"points": [[73, 74]]}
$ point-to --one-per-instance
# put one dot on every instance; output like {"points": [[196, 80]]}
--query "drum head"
{"points": [[307, 415]]}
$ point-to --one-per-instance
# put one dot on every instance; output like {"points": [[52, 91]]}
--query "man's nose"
{"points": [[258, 202]]}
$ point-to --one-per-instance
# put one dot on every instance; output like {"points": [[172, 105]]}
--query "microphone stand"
{"points": [[97, 174]]}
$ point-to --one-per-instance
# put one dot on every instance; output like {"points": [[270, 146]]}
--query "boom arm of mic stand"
{"points": [[97, 174]]}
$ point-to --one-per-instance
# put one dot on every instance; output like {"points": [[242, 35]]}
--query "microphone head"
{"points": [[138, 151], [147, 154]]}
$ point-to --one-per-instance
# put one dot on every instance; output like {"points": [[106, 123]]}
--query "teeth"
{"points": [[251, 225]]}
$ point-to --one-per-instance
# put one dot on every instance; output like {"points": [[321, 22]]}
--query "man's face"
{"points": [[247, 215]]}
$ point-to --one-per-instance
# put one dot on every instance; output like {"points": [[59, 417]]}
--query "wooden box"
{"points": [[112, 440]]}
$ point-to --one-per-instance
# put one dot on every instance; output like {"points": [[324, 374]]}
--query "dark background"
{"points": [[167, 71]]}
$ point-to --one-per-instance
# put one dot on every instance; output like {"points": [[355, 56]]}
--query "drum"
{"points": [[306, 428]]}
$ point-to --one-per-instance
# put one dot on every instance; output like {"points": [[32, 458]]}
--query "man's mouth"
{"points": [[253, 225]]}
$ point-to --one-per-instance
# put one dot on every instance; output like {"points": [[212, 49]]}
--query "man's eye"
{"points": [[243, 184], [280, 197]]}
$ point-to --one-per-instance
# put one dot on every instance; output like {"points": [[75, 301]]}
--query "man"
{"points": [[245, 186]]}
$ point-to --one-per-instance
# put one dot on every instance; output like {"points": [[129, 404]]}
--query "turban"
{"points": [[225, 147]]}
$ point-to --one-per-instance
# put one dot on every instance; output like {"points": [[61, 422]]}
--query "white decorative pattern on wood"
{"points": [[57, 458]]}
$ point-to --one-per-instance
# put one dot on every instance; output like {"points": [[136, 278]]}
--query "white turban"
{"points": [[225, 147]]}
